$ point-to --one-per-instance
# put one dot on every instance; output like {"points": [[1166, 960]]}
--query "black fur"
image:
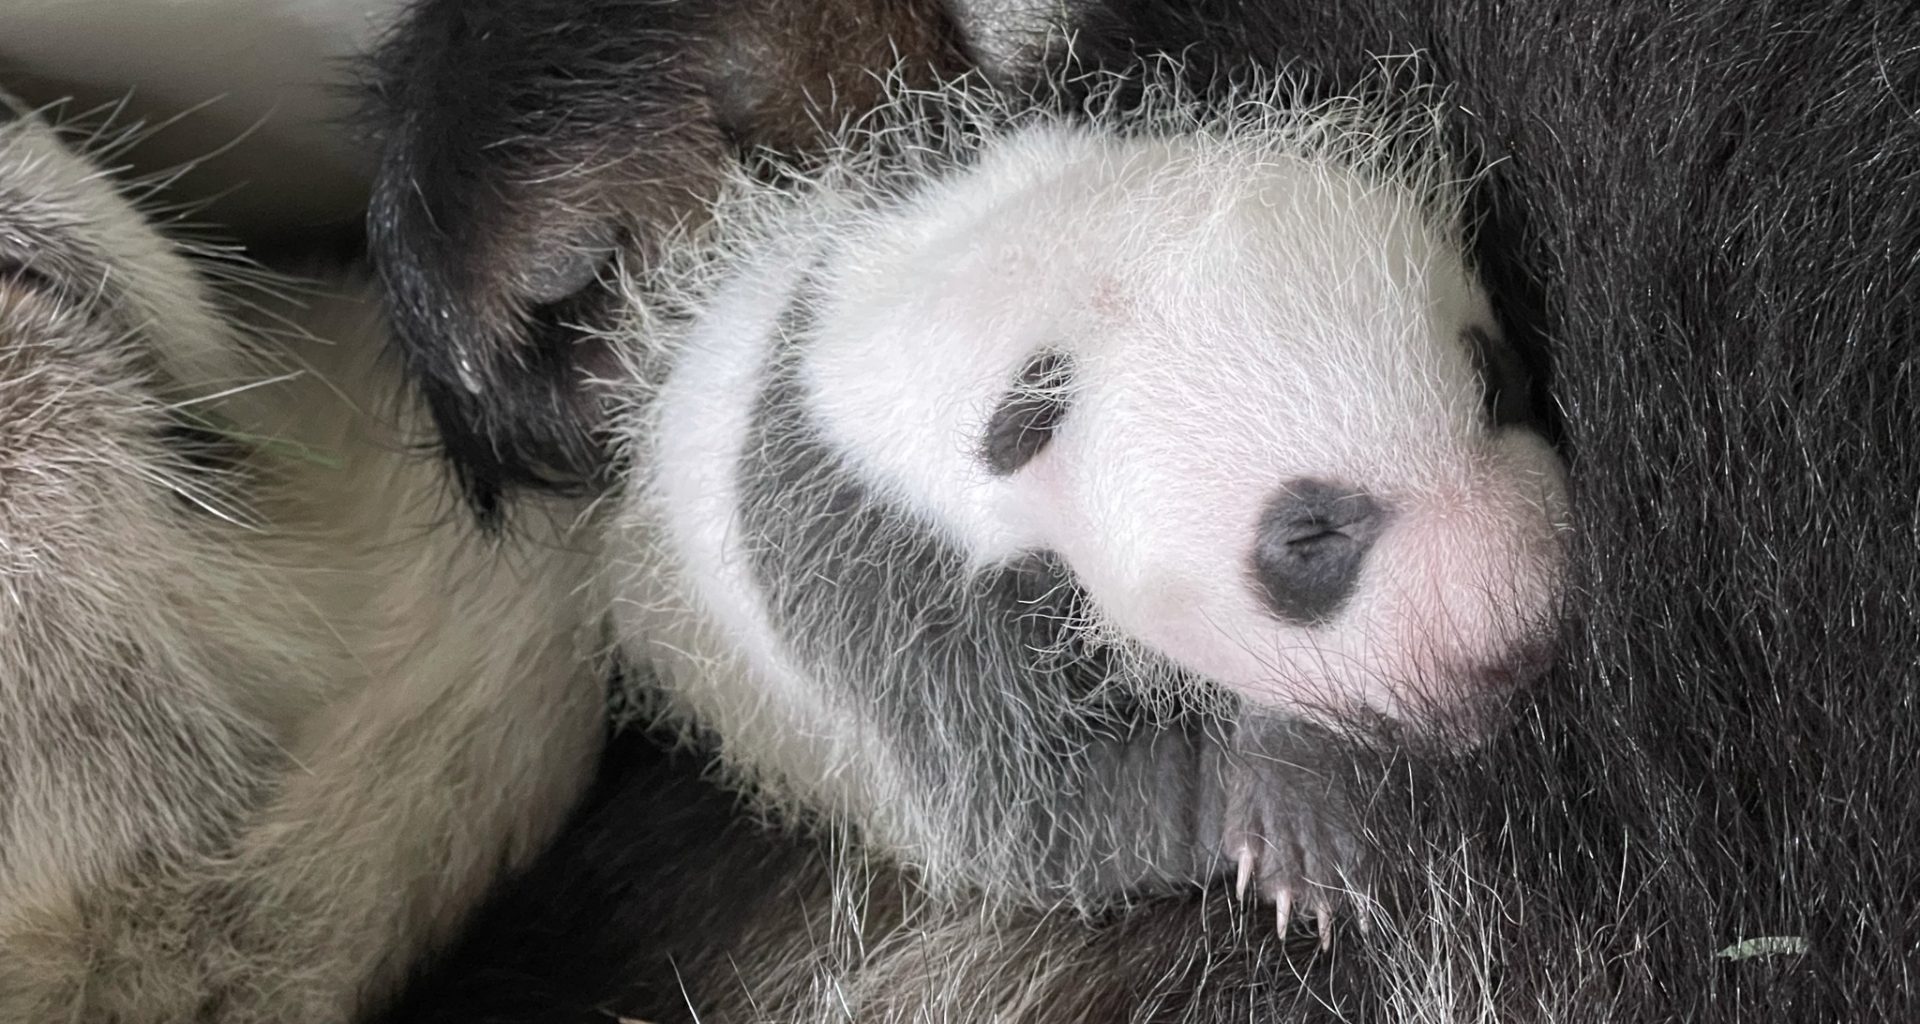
{"points": [[603, 930], [1703, 214], [614, 925], [1509, 388]]}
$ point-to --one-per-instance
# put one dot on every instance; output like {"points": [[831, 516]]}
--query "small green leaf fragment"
{"points": [[277, 447], [1765, 945]]}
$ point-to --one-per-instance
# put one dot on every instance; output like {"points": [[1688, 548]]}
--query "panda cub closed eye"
{"points": [[1025, 419]]}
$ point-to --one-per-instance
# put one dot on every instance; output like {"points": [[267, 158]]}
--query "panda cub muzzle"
{"points": [[1311, 538]]}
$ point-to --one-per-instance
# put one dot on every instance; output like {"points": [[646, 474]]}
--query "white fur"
{"points": [[750, 693]]}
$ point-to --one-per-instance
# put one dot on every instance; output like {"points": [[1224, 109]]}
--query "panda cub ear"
{"points": [[1505, 381], [1027, 416], [528, 146]]}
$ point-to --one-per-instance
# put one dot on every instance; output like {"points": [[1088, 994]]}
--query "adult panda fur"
{"points": [[270, 723], [1700, 215]]}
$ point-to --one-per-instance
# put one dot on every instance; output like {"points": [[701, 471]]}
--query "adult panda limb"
{"points": [[496, 213], [269, 724]]}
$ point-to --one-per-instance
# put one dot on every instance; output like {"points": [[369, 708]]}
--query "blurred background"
{"points": [[260, 90]]}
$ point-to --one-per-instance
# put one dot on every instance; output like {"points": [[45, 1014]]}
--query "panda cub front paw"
{"points": [[1288, 827]]}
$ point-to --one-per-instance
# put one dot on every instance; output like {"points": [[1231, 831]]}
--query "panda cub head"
{"points": [[1238, 378]]}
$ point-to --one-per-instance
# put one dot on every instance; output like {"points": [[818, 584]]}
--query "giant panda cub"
{"points": [[1037, 492], [271, 720]]}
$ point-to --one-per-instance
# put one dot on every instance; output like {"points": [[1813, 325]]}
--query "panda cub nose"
{"points": [[1312, 540]]}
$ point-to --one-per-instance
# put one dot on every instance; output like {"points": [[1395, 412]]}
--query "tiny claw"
{"points": [[1324, 915], [1246, 873], [1283, 909]]}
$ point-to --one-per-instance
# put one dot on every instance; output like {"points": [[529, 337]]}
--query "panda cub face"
{"points": [[1251, 396]]}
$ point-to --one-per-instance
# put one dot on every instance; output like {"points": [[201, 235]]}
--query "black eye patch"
{"points": [[1025, 419], [1505, 385]]}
